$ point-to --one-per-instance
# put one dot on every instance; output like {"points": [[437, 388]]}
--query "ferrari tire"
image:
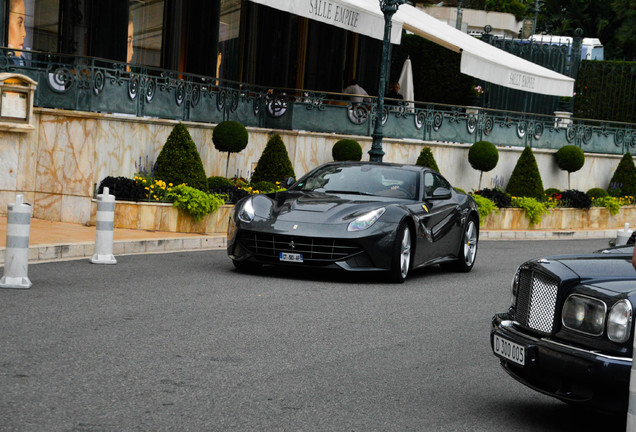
{"points": [[401, 258], [468, 247]]}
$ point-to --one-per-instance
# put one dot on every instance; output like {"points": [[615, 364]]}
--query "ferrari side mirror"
{"points": [[289, 181], [441, 193]]}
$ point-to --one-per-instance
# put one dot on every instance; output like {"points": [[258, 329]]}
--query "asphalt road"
{"points": [[182, 342]]}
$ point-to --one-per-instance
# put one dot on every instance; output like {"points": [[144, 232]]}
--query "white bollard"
{"points": [[16, 262], [104, 233], [623, 236]]}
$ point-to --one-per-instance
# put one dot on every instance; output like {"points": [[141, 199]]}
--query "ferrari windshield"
{"points": [[378, 180]]}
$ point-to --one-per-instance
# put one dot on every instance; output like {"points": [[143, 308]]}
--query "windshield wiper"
{"points": [[348, 192]]}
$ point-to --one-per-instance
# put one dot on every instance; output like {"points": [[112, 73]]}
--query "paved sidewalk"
{"points": [[51, 241]]}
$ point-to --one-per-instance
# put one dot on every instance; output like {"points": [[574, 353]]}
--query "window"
{"points": [[144, 32], [32, 24]]}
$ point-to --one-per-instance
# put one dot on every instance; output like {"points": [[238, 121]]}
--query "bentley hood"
{"points": [[613, 272]]}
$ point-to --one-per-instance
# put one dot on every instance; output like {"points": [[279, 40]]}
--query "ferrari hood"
{"points": [[316, 207]]}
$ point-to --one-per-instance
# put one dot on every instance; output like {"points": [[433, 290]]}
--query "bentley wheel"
{"points": [[468, 248], [401, 260]]}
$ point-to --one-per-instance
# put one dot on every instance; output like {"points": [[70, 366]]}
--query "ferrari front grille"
{"points": [[536, 301], [317, 250]]}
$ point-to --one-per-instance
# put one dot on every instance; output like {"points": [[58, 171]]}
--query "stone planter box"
{"points": [[596, 218], [165, 217]]}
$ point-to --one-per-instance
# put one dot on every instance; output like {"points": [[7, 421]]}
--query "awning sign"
{"points": [[353, 15]]}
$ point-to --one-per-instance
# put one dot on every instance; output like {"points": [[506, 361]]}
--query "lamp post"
{"points": [[460, 13], [388, 7]]}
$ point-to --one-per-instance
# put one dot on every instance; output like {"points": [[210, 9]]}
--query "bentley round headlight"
{"points": [[584, 314], [619, 321], [246, 212], [366, 220]]}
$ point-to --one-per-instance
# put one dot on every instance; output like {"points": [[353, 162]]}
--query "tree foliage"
{"points": [[274, 164], [346, 150], [179, 160], [624, 178], [426, 159], [525, 180]]}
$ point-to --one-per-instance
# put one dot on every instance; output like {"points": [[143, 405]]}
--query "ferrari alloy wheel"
{"points": [[401, 261], [468, 248]]}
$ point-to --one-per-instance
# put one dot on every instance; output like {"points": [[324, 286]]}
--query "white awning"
{"points": [[358, 16], [482, 60]]}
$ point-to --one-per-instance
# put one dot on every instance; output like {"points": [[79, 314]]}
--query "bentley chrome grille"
{"points": [[536, 301], [316, 250]]}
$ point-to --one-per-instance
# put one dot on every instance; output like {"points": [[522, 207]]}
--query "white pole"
{"points": [[16, 263], [104, 232]]}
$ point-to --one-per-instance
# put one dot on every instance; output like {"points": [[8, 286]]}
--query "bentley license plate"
{"points": [[291, 257], [509, 350]]}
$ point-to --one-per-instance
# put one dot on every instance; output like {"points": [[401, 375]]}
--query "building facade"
{"points": [[237, 40]]}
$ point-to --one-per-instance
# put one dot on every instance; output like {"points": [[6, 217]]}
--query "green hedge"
{"points": [[605, 91]]}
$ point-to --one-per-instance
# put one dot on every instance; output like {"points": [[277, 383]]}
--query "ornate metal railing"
{"points": [[98, 85]]}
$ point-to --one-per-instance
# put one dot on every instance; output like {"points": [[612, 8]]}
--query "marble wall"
{"points": [[57, 165]]}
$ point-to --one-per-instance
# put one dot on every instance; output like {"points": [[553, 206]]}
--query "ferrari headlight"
{"points": [[246, 212], [366, 220], [584, 314], [619, 321]]}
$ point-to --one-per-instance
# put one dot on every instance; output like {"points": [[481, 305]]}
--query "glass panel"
{"points": [[32, 24], [228, 54], [145, 31]]}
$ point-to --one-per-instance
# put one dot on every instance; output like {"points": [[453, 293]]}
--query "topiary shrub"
{"points": [[597, 193], [264, 186], [230, 137], [570, 158], [426, 159], [552, 192], [347, 150], [124, 188], [499, 197], [525, 180], [623, 181], [575, 199], [274, 164], [179, 161], [218, 182], [483, 156]]}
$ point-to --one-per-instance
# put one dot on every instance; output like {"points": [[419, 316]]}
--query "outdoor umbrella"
{"points": [[406, 82]]}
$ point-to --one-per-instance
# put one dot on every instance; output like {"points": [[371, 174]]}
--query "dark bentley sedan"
{"points": [[358, 216], [569, 330]]}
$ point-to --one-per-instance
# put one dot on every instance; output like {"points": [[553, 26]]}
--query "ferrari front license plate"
{"points": [[509, 350], [291, 257]]}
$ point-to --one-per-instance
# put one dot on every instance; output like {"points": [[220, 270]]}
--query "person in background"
{"points": [[129, 44], [17, 31], [394, 93], [355, 89]]}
